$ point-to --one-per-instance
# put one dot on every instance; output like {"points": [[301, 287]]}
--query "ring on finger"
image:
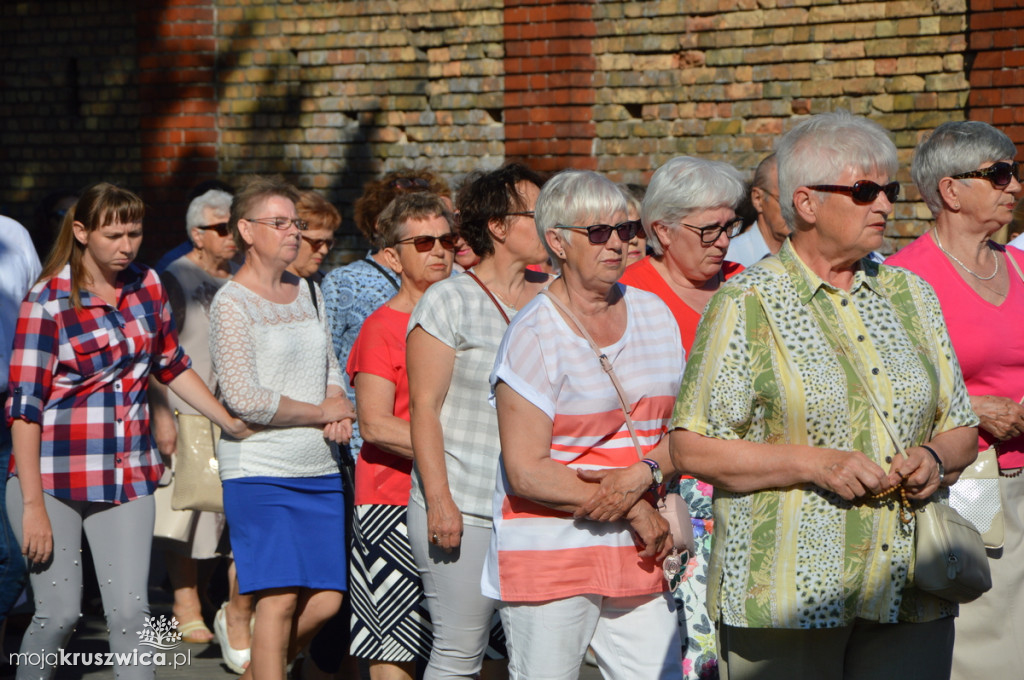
{"points": [[434, 539]]}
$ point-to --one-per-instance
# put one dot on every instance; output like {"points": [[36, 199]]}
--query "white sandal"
{"points": [[235, 659]]}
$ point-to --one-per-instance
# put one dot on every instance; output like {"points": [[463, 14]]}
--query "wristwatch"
{"points": [[938, 461], [657, 476]]}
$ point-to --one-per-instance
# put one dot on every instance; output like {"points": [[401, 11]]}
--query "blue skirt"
{"points": [[287, 532]]}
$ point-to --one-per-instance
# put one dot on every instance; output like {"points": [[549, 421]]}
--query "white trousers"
{"points": [[632, 637]]}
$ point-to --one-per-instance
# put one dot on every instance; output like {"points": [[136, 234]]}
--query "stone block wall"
{"points": [[164, 94]]}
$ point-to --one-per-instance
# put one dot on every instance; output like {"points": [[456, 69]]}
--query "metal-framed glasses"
{"points": [[425, 244], [221, 228], [598, 234], [280, 223], [713, 232], [863, 191], [999, 173], [318, 243], [410, 184], [523, 213]]}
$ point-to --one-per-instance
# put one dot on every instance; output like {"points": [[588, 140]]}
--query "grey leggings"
{"points": [[120, 537]]}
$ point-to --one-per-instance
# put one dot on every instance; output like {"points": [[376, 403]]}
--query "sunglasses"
{"points": [[524, 213], [598, 234], [711, 233], [407, 183], [425, 244], [280, 223], [317, 243], [863, 191], [221, 228], [999, 173]]}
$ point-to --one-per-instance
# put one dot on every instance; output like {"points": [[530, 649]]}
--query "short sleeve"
{"points": [[437, 312], [373, 352], [520, 364], [720, 357], [233, 352]]}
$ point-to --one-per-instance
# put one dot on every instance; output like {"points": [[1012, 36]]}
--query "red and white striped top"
{"points": [[540, 554]]}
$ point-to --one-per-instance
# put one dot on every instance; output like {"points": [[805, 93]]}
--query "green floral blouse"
{"points": [[763, 369]]}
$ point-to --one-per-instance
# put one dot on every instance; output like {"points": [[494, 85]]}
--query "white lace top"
{"points": [[261, 351]]}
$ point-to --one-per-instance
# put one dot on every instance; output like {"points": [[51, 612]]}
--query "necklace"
{"points": [[966, 268]]}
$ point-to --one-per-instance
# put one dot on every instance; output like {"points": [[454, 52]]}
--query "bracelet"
{"points": [[938, 461]]}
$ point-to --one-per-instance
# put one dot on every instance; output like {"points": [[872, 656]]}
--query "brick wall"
{"points": [[332, 94]]}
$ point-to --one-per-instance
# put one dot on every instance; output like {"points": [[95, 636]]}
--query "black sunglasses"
{"points": [[711, 233], [999, 173], [863, 191], [425, 243], [600, 233], [221, 228], [317, 243]]}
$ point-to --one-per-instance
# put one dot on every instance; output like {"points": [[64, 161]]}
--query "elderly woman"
{"points": [[454, 334], [565, 583], [690, 209], [689, 214], [282, 488], [634, 194], [318, 239], [390, 625], [89, 335], [355, 291], [967, 176], [811, 572]]}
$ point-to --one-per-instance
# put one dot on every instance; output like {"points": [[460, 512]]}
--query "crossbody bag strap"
{"points": [[606, 365], [383, 271], [487, 290]]}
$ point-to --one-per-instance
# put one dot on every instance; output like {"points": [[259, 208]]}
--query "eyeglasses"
{"points": [[711, 233], [425, 243], [221, 228], [999, 173], [598, 234], [407, 183], [317, 243], [280, 223], [863, 191], [524, 213]]}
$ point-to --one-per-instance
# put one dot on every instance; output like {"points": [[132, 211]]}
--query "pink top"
{"points": [[382, 478], [988, 339]]}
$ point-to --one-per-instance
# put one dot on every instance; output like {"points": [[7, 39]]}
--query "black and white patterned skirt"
{"points": [[389, 618]]}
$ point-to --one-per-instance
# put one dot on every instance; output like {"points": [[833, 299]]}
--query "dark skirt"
{"points": [[389, 618], [287, 532]]}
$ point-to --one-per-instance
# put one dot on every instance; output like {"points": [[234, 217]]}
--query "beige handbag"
{"points": [[170, 523], [975, 495], [671, 506], [196, 475]]}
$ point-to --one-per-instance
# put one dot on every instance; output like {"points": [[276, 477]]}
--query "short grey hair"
{"points": [[576, 198], [953, 148], [822, 147], [685, 185], [762, 175], [214, 199]]}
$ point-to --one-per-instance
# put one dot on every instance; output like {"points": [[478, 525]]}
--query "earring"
{"points": [[562, 254]]}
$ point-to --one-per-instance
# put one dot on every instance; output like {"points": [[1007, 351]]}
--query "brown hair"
{"points": [[405, 207], [377, 194], [256, 189], [318, 211], [491, 195], [99, 205]]}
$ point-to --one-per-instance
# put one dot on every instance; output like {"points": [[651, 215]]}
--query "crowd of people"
{"points": [[543, 422]]}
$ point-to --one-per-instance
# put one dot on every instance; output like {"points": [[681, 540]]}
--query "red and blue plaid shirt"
{"points": [[82, 375]]}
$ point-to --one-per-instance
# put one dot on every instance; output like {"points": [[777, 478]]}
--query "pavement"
{"points": [[183, 660]]}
